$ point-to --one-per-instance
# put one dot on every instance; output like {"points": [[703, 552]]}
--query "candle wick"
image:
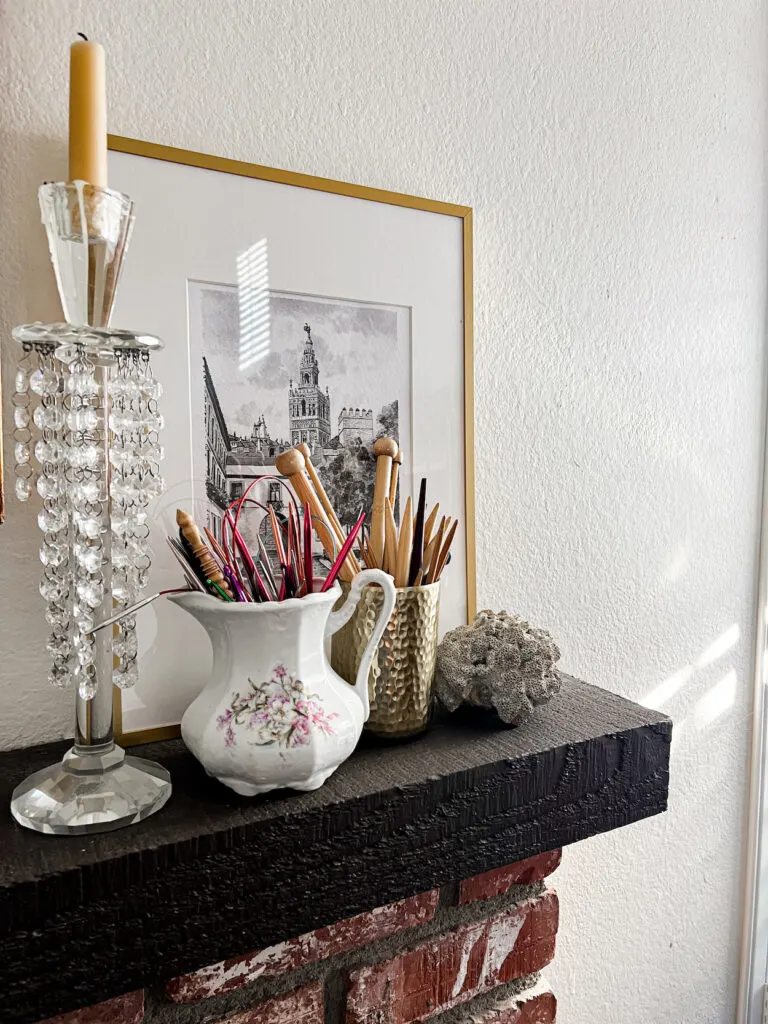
{"points": [[83, 36]]}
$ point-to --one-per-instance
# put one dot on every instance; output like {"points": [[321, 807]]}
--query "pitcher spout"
{"points": [[202, 607]]}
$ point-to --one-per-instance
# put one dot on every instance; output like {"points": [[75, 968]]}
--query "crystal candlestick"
{"points": [[86, 439]]}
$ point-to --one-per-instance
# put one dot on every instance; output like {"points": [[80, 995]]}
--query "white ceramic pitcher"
{"points": [[274, 713]]}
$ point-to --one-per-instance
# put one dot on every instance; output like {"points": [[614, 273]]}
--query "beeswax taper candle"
{"points": [[87, 113]]}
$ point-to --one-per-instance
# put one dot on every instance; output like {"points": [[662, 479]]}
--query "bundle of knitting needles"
{"points": [[231, 571], [414, 553]]}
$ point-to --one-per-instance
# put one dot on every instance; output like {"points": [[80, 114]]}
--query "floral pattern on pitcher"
{"points": [[278, 711]]}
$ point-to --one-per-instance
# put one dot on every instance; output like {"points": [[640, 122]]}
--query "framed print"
{"points": [[293, 310]]}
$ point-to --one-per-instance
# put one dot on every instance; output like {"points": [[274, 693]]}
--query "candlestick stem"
{"points": [[94, 718]]}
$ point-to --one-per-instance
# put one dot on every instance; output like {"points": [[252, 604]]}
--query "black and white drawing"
{"points": [[334, 374]]}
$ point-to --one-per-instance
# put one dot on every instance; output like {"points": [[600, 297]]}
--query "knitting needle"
{"points": [[429, 550], [200, 550], [335, 568], [429, 525], [276, 535], [293, 546], [368, 556], [222, 593], [216, 547], [445, 552], [308, 569], [396, 464], [289, 552], [325, 501], [267, 566], [291, 465], [135, 607], [389, 563], [435, 544], [193, 580], [404, 546], [185, 550], [123, 612], [290, 581], [417, 551], [385, 450], [254, 578], [239, 592], [294, 539], [231, 550]]}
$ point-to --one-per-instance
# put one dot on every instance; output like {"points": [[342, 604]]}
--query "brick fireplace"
{"points": [[467, 952]]}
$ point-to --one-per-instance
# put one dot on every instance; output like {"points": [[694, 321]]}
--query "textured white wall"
{"points": [[613, 154]]}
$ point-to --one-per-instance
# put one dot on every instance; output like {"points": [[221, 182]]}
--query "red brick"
{"points": [[302, 1006], [127, 1009], [318, 945], [453, 968], [498, 881], [537, 1006]]}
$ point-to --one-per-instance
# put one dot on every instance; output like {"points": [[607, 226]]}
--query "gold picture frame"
{"points": [[135, 147]]}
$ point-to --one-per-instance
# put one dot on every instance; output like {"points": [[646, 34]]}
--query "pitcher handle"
{"points": [[339, 618]]}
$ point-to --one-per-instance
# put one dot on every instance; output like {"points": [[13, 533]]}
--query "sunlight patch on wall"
{"points": [[677, 565], [716, 701], [253, 303], [719, 646], [665, 691]]}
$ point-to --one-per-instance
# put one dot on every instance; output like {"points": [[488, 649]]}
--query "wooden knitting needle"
{"points": [[192, 580], [396, 464], [385, 450], [330, 512], [390, 544], [429, 550], [429, 526], [294, 545], [291, 465], [445, 552], [435, 544], [216, 547], [267, 566], [277, 536], [404, 546], [201, 551], [365, 550]]}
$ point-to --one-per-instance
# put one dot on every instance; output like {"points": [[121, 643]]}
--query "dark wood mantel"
{"points": [[214, 875]]}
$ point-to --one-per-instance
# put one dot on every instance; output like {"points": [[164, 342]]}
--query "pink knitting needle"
{"points": [[308, 581], [346, 547]]}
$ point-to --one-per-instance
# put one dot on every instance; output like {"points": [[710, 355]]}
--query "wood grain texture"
{"points": [[215, 875]]}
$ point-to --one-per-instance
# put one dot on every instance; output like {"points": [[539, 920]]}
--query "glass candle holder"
{"points": [[88, 231], [86, 439]]}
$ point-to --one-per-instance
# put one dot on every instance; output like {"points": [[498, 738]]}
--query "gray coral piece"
{"points": [[500, 661]]}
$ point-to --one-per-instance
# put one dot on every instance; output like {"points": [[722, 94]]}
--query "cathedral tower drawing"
{"points": [[309, 407]]}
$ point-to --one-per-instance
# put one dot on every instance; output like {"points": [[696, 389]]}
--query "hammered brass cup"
{"points": [[403, 669]]}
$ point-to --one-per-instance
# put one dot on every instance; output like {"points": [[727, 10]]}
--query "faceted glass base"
{"points": [[91, 791]]}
